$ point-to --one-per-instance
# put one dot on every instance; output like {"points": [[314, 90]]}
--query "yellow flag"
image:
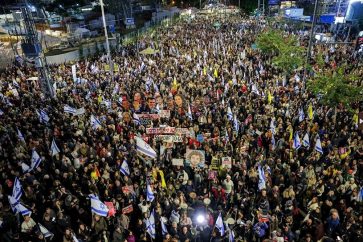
{"points": [[195, 54], [291, 132], [215, 73], [310, 111], [99, 99], [205, 71], [163, 184], [174, 82], [355, 119], [269, 97]]}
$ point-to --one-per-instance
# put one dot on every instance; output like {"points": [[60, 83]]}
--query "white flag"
{"points": [[164, 230], [54, 148], [189, 113], [25, 167], [144, 148], [97, 206], [136, 119]]}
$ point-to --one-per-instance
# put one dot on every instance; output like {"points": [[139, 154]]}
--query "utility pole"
{"points": [[308, 54], [109, 58]]}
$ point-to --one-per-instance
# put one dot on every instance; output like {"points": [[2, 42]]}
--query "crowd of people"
{"points": [[225, 126]]}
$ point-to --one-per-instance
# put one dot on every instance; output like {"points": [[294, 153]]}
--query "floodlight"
{"points": [[201, 219]]}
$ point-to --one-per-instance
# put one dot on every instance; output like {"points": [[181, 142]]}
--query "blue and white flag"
{"points": [[235, 123], [254, 89], [1, 112], [25, 167], [231, 236], [273, 142], [229, 114], [144, 148], [21, 136], [306, 141], [45, 231], [74, 238], [301, 115], [35, 161], [95, 123], [54, 148], [220, 225], [360, 195], [17, 189], [189, 113], [150, 225], [149, 193], [116, 89], [164, 230], [136, 119], [296, 144], [226, 136], [68, 109], [272, 126], [157, 108], [318, 146], [107, 103], [16, 84], [97, 206], [43, 116], [125, 168], [261, 178], [17, 207]]}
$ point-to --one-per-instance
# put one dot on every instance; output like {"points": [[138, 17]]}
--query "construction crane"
{"points": [[32, 48]]}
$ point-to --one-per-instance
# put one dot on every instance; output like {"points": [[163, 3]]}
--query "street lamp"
{"points": [[107, 43]]}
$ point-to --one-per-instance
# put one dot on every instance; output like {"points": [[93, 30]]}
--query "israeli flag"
{"points": [[116, 89], [149, 193], [43, 116], [45, 231], [150, 225], [144, 148], [95, 123], [107, 103], [25, 167], [136, 119], [231, 236], [222, 102], [189, 113], [235, 123], [1, 112], [306, 141], [227, 137], [318, 147], [301, 115], [273, 142], [229, 113], [35, 161], [360, 195], [54, 148], [21, 136], [164, 230], [125, 168], [68, 109], [220, 225], [261, 178], [272, 126], [254, 89], [18, 207], [297, 144], [74, 238], [97, 206], [17, 189], [16, 84]]}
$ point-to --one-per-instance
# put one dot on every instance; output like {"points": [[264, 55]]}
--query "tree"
{"points": [[284, 49], [339, 86]]}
